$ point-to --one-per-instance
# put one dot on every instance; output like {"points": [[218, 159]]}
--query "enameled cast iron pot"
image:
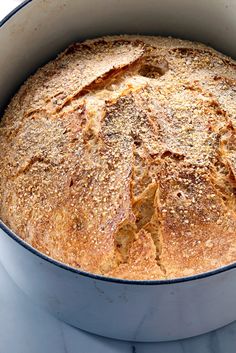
{"points": [[130, 310]]}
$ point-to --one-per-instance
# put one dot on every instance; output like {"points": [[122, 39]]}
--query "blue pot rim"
{"points": [[28, 247]]}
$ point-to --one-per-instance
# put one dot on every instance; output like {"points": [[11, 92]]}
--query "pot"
{"points": [[129, 310]]}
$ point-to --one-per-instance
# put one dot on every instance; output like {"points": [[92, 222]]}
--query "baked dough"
{"points": [[119, 158]]}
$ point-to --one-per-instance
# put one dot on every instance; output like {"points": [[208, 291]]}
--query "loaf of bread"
{"points": [[119, 158]]}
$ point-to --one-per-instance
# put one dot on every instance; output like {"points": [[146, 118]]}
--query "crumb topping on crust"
{"points": [[119, 158]]}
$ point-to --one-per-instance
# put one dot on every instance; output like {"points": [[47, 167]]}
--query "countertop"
{"points": [[26, 328]]}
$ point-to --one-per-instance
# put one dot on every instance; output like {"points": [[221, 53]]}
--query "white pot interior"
{"points": [[42, 28]]}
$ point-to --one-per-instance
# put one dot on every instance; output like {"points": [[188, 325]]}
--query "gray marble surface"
{"points": [[25, 328]]}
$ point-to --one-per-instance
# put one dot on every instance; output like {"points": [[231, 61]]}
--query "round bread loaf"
{"points": [[119, 158]]}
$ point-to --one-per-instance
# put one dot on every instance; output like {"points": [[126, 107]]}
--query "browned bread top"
{"points": [[119, 158]]}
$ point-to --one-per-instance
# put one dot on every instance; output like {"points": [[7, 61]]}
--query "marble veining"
{"points": [[26, 328]]}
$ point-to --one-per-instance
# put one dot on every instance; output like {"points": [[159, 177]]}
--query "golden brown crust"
{"points": [[119, 158]]}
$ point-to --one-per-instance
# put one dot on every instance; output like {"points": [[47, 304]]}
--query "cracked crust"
{"points": [[119, 158]]}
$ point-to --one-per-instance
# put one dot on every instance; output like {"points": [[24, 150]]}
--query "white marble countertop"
{"points": [[25, 328]]}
